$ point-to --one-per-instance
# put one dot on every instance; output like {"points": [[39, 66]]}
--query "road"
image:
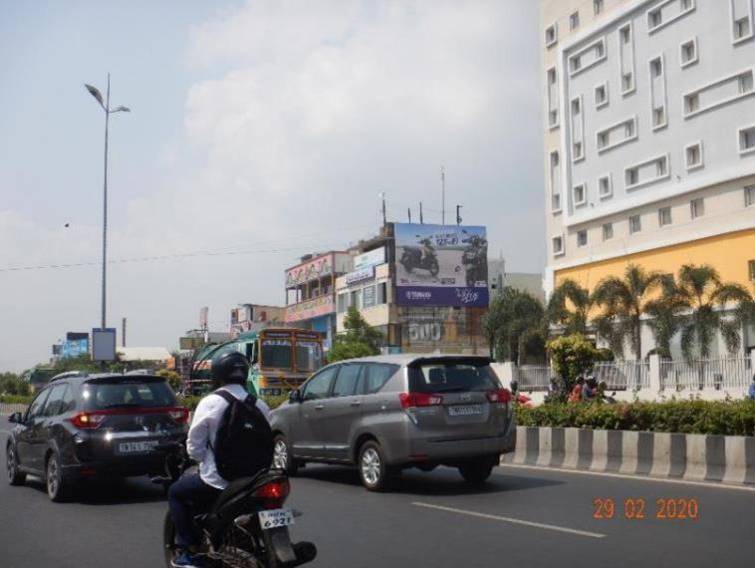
{"points": [[523, 517]]}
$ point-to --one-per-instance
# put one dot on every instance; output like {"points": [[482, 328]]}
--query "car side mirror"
{"points": [[16, 418], [294, 397]]}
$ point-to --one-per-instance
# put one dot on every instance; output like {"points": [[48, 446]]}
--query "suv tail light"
{"points": [[88, 420], [501, 396], [179, 414], [273, 493], [417, 399]]}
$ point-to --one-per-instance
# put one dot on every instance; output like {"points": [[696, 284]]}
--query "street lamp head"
{"points": [[96, 94], [121, 109]]}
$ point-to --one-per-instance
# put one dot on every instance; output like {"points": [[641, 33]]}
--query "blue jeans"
{"points": [[187, 497]]}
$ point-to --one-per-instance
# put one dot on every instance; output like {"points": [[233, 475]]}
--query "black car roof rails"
{"points": [[68, 375]]}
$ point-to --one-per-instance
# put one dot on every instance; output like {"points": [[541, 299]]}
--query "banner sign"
{"points": [[310, 309], [367, 259], [360, 275], [311, 270], [440, 265], [103, 344], [74, 348]]}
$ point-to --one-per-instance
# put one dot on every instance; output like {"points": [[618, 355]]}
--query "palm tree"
{"points": [[624, 301], [705, 299], [665, 321], [569, 306]]}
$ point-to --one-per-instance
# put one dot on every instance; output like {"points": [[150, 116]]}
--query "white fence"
{"points": [[732, 372], [533, 377], [623, 375]]}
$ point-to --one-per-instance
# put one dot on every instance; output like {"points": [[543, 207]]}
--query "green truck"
{"points": [[280, 360]]}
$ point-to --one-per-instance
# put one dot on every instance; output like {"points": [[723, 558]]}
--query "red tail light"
{"points": [[274, 492], [179, 414], [417, 399], [501, 396], [88, 420]]}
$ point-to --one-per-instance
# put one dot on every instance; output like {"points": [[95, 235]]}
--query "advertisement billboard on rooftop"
{"points": [[440, 265]]}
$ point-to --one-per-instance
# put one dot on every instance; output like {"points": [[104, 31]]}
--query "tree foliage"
{"points": [[514, 326], [572, 356], [569, 307], [359, 339]]}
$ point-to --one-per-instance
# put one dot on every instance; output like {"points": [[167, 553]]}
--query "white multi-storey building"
{"points": [[649, 111]]}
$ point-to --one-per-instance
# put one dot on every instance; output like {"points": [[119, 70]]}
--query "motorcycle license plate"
{"points": [[276, 518], [465, 410]]}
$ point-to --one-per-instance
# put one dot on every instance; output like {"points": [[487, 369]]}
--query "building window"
{"points": [[605, 187], [655, 19], [744, 83], [688, 52], [635, 224], [742, 28], [597, 6], [747, 140], [607, 231], [626, 34], [697, 208], [558, 245], [343, 302], [668, 12], [601, 95], [693, 156], [556, 203], [555, 185], [661, 167], [580, 194], [577, 150], [664, 216], [632, 177], [659, 117], [656, 67], [717, 93], [581, 238], [750, 196], [627, 82], [382, 293], [551, 35], [574, 21], [751, 270]]}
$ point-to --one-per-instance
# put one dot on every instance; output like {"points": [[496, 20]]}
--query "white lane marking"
{"points": [[510, 520], [708, 484]]}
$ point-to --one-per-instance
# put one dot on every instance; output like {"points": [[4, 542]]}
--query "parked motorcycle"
{"points": [[413, 258], [246, 527], [475, 260]]}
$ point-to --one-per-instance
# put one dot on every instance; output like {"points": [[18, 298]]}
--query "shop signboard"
{"points": [[440, 265], [311, 270], [371, 258], [310, 309], [360, 275]]}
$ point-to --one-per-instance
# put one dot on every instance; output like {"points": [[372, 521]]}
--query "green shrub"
{"points": [[191, 402], [730, 418], [15, 399]]}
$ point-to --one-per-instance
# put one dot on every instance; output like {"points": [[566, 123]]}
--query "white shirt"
{"points": [[204, 428]]}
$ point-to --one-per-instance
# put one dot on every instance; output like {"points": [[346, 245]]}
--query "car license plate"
{"points": [[276, 518], [136, 447], [465, 410]]}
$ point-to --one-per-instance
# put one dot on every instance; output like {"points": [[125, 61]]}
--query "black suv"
{"points": [[94, 426]]}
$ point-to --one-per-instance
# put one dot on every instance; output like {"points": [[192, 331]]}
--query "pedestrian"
{"points": [[751, 391], [590, 389], [576, 392]]}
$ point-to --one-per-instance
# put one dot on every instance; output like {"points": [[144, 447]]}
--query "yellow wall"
{"points": [[728, 253]]}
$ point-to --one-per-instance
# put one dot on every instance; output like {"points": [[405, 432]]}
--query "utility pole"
{"points": [[409, 212], [458, 214], [382, 196], [421, 218], [443, 193], [123, 332]]}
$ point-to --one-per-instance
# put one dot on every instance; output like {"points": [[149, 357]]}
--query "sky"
{"points": [[259, 131]]}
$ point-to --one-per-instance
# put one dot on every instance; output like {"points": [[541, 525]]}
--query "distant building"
{"points": [[254, 317], [522, 281]]}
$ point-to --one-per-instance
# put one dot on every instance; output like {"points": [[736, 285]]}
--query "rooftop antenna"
{"points": [[443, 191]]}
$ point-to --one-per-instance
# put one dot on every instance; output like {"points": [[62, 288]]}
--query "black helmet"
{"points": [[230, 368]]}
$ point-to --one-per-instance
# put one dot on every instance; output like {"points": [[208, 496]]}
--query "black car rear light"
{"points": [[90, 420]]}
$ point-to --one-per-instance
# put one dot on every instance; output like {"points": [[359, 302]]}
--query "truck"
{"points": [[280, 360]]}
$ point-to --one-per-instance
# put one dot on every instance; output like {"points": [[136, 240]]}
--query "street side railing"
{"points": [[722, 373], [533, 377], [623, 375]]}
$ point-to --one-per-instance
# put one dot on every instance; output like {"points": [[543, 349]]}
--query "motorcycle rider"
{"points": [[426, 250], [199, 486]]}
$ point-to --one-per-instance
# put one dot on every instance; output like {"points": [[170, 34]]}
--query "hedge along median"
{"points": [[691, 440]]}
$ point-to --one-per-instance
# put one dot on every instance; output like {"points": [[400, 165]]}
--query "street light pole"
{"points": [[108, 111]]}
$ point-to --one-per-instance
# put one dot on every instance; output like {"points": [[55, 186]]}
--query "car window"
{"points": [[346, 382], [69, 400], [452, 377], [318, 386], [124, 393], [37, 405], [376, 375], [55, 400]]}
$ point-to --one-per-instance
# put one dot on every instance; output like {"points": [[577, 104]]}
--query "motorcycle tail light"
{"points": [[273, 492]]}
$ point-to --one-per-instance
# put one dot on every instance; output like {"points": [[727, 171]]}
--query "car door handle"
{"points": [[319, 407], [356, 403]]}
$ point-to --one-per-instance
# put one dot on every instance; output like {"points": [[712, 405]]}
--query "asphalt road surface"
{"points": [[524, 517]]}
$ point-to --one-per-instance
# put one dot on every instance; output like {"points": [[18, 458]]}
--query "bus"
{"points": [[280, 360]]}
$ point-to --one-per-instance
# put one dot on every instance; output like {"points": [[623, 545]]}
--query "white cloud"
{"points": [[307, 111]]}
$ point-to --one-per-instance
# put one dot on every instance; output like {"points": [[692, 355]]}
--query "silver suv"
{"points": [[392, 412]]}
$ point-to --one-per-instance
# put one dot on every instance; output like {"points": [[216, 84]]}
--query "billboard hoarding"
{"points": [[439, 265], [103, 344], [368, 259], [310, 309]]}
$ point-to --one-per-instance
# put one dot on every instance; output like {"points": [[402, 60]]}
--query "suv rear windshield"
{"points": [[452, 376], [125, 393]]}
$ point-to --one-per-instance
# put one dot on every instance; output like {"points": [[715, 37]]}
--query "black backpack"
{"points": [[244, 443]]}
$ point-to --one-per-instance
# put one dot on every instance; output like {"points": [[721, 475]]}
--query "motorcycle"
{"points": [[412, 258], [475, 260], [246, 526]]}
